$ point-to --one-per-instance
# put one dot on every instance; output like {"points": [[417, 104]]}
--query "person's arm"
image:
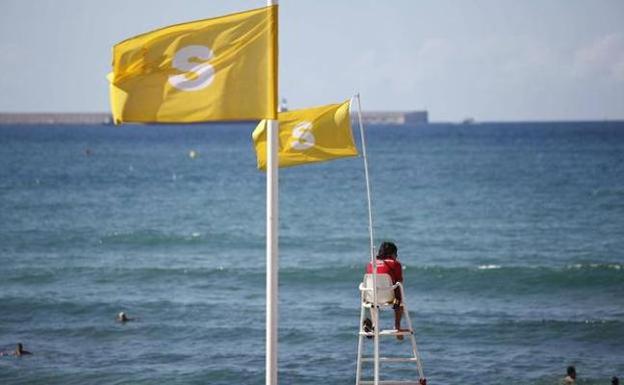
{"points": [[398, 271]]}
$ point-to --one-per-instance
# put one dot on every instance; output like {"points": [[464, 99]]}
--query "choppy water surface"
{"points": [[512, 238]]}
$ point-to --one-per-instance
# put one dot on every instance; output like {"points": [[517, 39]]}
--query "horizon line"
{"points": [[106, 117]]}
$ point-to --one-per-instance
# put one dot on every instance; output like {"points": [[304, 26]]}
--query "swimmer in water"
{"points": [[18, 352], [570, 379], [122, 317]]}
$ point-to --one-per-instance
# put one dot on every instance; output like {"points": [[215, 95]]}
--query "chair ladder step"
{"points": [[390, 382], [389, 332], [387, 306], [390, 359]]}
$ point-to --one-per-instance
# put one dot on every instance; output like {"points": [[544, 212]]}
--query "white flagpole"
{"points": [[374, 309], [272, 261]]}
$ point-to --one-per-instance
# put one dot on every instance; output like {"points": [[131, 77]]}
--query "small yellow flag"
{"points": [[215, 69], [308, 136]]}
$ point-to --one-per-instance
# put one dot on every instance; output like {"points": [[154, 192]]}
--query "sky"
{"points": [[491, 60]]}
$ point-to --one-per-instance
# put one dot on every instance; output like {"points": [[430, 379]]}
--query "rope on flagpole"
{"points": [[375, 312]]}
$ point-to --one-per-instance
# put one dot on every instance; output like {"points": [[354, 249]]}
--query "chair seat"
{"points": [[385, 289]]}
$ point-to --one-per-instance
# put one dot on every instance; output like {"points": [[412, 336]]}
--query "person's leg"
{"points": [[398, 309], [398, 312]]}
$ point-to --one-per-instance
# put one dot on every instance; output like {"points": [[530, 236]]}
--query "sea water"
{"points": [[511, 237]]}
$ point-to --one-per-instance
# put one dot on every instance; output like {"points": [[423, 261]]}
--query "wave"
{"points": [[496, 279], [159, 238], [485, 279], [149, 237], [598, 280], [487, 267], [615, 266]]}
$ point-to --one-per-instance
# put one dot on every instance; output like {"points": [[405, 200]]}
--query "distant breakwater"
{"points": [[390, 118], [369, 117]]}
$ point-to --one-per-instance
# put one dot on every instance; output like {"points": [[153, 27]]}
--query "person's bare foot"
{"points": [[399, 336]]}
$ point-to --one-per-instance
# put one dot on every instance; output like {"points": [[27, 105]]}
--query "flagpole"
{"points": [[272, 261], [374, 313]]}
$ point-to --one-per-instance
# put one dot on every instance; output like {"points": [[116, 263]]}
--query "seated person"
{"points": [[387, 263]]}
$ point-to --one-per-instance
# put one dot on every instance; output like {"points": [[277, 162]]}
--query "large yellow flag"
{"points": [[215, 69], [307, 136]]}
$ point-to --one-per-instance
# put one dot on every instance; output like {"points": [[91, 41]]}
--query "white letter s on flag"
{"points": [[303, 138], [204, 72]]}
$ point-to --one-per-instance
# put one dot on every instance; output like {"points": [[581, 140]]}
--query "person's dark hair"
{"points": [[571, 370], [386, 249], [615, 381]]}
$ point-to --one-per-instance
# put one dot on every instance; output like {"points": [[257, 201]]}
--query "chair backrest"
{"points": [[385, 292]]}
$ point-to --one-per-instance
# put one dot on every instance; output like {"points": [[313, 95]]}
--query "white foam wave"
{"points": [[488, 267], [614, 266]]}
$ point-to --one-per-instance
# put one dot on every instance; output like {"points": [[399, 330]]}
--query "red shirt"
{"points": [[392, 267]]}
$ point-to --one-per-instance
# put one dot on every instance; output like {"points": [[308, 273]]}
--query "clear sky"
{"points": [[486, 59]]}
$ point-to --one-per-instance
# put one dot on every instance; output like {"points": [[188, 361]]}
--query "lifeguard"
{"points": [[387, 263]]}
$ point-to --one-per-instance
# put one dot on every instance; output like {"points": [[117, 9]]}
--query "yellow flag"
{"points": [[308, 136], [215, 69]]}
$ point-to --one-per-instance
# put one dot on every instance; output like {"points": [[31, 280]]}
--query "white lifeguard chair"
{"points": [[385, 300]]}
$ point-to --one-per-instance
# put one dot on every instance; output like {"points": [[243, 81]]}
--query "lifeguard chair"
{"points": [[374, 301]]}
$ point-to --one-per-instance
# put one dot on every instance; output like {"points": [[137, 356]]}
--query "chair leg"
{"points": [[358, 369], [408, 319], [376, 327]]}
